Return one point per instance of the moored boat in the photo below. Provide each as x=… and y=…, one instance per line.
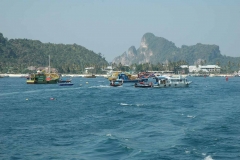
x=128, y=78
x=173, y=81
x=90, y=76
x=43, y=78
x=143, y=85
x=113, y=75
x=64, y=80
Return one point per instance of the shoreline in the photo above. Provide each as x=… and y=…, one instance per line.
x=105, y=75
x=63, y=75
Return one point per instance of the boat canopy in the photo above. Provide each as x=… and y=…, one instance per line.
x=123, y=76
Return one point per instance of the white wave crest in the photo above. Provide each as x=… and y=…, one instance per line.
x=109, y=135
x=208, y=158
x=125, y=104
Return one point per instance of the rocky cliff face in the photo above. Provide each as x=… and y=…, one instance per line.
x=127, y=57
x=154, y=50
x=142, y=55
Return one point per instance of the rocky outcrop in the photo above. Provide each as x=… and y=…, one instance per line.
x=154, y=50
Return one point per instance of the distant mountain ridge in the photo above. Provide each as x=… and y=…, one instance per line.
x=159, y=50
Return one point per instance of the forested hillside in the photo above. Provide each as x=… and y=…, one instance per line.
x=18, y=54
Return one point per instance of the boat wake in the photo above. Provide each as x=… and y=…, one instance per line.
x=37, y=91
x=125, y=104
x=100, y=86
x=7, y=94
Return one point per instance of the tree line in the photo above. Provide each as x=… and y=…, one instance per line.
x=230, y=67
x=17, y=55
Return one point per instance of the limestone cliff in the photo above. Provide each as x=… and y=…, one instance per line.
x=155, y=50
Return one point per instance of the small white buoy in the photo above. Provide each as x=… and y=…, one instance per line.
x=87, y=82
x=51, y=98
x=26, y=99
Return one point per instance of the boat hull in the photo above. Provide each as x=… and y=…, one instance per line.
x=49, y=78
x=65, y=84
x=173, y=85
x=42, y=82
x=64, y=81
x=116, y=84
x=90, y=76
x=132, y=81
x=143, y=86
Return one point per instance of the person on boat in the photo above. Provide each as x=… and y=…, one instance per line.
x=151, y=84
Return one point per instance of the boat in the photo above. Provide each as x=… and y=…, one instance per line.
x=116, y=84
x=128, y=78
x=64, y=80
x=113, y=75
x=171, y=81
x=4, y=76
x=65, y=84
x=143, y=85
x=90, y=76
x=24, y=76
x=146, y=75
x=41, y=77
x=237, y=74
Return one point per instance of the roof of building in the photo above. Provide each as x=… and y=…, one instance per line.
x=206, y=66
x=184, y=66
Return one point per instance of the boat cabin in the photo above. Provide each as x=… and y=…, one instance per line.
x=176, y=81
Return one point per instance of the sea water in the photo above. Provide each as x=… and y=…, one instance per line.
x=91, y=120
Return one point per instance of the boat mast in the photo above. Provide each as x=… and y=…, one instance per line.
x=49, y=65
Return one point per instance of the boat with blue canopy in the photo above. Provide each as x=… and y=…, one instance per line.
x=127, y=78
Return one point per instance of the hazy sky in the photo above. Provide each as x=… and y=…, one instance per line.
x=110, y=27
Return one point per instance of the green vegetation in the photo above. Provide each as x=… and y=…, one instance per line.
x=16, y=55
x=170, y=66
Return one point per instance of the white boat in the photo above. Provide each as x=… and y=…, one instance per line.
x=237, y=74
x=173, y=81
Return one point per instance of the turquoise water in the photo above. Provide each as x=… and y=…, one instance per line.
x=91, y=120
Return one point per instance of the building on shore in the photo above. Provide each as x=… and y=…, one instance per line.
x=205, y=68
